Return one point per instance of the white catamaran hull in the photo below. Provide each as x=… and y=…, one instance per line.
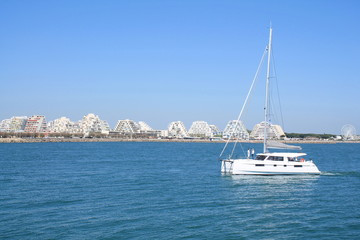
x=258, y=167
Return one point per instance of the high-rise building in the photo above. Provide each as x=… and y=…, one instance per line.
x=5, y=125
x=18, y=123
x=200, y=129
x=127, y=126
x=14, y=124
x=236, y=130
x=214, y=129
x=36, y=124
x=177, y=130
x=92, y=123
x=273, y=131
x=144, y=127
x=63, y=125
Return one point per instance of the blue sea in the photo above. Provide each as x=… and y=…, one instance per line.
x=146, y=190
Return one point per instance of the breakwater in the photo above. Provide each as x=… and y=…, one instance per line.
x=39, y=140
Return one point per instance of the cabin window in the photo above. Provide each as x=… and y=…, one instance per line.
x=297, y=165
x=260, y=157
x=275, y=158
x=259, y=165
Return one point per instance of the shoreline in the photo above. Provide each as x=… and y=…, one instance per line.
x=57, y=140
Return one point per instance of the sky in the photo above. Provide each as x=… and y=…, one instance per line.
x=187, y=60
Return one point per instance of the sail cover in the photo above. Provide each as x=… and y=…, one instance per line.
x=280, y=145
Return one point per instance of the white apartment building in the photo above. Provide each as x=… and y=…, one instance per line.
x=64, y=125
x=144, y=127
x=5, y=125
x=18, y=123
x=127, y=126
x=214, y=129
x=273, y=131
x=36, y=124
x=14, y=124
x=200, y=129
x=236, y=130
x=177, y=130
x=92, y=123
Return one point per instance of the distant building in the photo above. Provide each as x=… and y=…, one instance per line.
x=18, y=123
x=92, y=123
x=177, y=130
x=36, y=124
x=200, y=129
x=127, y=126
x=5, y=125
x=64, y=125
x=164, y=133
x=273, y=131
x=214, y=129
x=14, y=124
x=236, y=129
x=144, y=127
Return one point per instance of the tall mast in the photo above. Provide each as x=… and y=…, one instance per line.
x=267, y=104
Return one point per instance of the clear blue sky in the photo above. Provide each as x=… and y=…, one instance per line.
x=162, y=61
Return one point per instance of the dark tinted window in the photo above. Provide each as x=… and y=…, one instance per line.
x=260, y=157
x=274, y=158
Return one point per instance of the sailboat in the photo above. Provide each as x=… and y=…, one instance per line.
x=268, y=163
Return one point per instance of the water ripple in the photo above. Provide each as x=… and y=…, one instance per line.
x=170, y=191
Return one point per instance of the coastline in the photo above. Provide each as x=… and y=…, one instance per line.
x=50, y=140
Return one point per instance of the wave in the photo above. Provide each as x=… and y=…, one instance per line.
x=334, y=174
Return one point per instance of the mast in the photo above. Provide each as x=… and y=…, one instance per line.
x=267, y=97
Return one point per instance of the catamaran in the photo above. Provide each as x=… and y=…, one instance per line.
x=268, y=163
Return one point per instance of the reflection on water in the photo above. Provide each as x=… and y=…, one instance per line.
x=271, y=180
x=278, y=187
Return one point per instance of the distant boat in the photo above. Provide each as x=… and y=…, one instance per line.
x=269, y=163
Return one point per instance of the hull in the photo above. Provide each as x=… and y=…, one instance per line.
x=258, y=167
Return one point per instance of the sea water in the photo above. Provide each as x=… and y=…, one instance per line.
x=130, y=190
